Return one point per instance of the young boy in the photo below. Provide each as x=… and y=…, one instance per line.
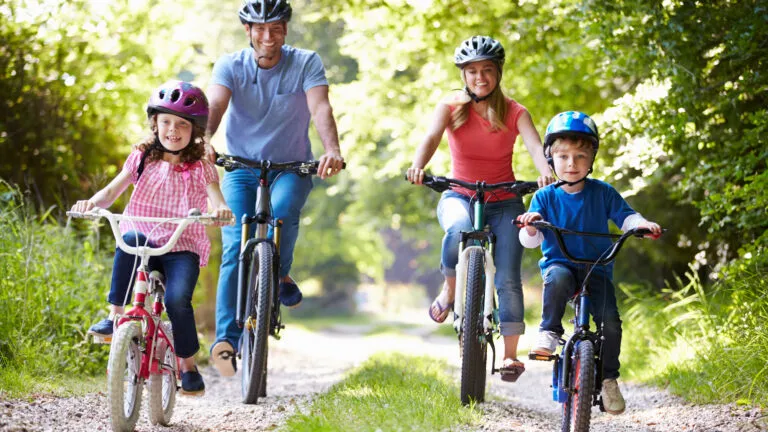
x=580, y=204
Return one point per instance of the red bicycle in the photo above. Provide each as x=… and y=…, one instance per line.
x=142, y=346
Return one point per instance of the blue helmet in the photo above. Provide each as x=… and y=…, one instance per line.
x=571, y=124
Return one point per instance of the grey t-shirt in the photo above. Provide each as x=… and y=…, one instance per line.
x=268, y=116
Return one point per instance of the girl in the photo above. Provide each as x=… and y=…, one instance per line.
x=482, y=125
x=170, y=176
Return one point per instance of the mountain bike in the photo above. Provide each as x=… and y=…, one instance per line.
x=476, y=316
x=577, y=373
x=258, y=305
x=142, y=347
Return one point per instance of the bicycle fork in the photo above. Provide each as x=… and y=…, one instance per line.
x=461, y=287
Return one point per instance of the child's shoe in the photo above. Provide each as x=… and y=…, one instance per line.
x=102, y=330
x=546, y=343
x=192, y=383
x=613, y=401
x=290, y=294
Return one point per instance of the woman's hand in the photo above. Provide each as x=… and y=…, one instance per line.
x=415, y=175
x=83, y=206
x=545, y=180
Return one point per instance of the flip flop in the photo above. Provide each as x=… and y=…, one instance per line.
x=511, y=370
x=442, y=311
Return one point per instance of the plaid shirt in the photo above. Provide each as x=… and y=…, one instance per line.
x=167, y=190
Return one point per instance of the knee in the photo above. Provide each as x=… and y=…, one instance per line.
x=558, y=280
x=132, y=237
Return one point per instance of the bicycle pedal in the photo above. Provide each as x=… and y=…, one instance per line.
x=102, y=339
x=541, y=357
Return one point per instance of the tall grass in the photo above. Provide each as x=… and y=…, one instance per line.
x=51, y=289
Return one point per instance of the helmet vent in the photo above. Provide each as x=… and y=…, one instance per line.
x=175, y=95
x=189, y=101
x=162, y=94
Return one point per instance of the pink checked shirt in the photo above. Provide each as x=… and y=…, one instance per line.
x=166, y=190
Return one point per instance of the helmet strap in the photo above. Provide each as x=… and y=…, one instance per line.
x=561, y=182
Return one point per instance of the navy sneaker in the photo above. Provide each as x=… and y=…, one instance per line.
x=290, y=294
x=192, y=383
x=102, y=328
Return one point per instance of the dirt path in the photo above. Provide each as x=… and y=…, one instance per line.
x=305, y=363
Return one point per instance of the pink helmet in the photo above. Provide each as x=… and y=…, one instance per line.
x=182, y=99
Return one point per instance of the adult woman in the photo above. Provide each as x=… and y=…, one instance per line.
x=482, y=125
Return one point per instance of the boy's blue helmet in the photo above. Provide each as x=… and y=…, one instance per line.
x=571, y=124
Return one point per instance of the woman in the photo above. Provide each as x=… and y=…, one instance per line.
x=482, y=125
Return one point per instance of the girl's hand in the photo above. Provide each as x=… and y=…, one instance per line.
x=415, y=175
x=83, y=206
x=222, y=212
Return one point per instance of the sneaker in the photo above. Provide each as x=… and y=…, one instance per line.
x=290, y=294
x=103, y=328
x=223, y=358
x=546, y=343
x=613, y=401
x=192, y=383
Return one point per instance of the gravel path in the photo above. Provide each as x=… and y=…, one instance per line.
x=304, y=363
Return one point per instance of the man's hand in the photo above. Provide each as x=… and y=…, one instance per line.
x=330, y=165
x=210, y=153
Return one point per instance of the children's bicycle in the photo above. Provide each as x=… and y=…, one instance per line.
x=142, y=347
x=577, y=374
x=258, y=305
x=475, y=307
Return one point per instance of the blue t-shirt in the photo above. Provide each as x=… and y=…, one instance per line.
x=587, y=210
x=268, y=116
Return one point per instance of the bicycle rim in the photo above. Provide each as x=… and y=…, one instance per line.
x=124, y=384
x=258, y=306
x=473, y=347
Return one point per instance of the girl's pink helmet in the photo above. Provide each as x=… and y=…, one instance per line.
x=182, y=99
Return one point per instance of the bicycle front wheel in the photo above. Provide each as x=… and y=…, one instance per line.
x=124, y=383
x=162, y=388
x=577, y=409
x=473, y=346
x=258, y=307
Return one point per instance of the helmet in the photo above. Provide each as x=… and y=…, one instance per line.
x=182, y=99
x=265, y=11
x=479, y=48
x=571, y=123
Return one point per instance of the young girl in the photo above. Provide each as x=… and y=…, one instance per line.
x=170, y=177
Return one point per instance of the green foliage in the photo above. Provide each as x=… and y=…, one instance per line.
x=416, y=388
x=52, y=288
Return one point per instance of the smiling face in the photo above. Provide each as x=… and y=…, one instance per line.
x=267, y=39
x=572, y=159
x=175, y=132
x=481, y=77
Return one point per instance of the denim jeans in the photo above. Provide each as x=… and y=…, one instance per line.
x=560, y=284
x=455, y=216
x=181, y=270
x=289, y=194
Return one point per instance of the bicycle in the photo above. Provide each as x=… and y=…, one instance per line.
x=577, y=373
x=142, y=348
x=258, y=305
x=475, y=309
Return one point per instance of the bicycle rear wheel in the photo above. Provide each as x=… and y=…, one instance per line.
x=124, y=384
x=162, y=387
x=473, y=346
x=258, y=306
x=577, y=409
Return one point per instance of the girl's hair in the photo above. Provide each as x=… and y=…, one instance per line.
x=497, y=111
x=191, y=153
x=580, y=143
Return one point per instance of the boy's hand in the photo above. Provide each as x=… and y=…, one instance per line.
x=83, y=206
x=653, y=227
x=527, y=218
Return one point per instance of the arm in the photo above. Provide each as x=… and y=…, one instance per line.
x=429, y=144
x=530, y=237
x=105, y=197
x=218, y=102
x=532, y=142
x=219, y=207
x=322, y=115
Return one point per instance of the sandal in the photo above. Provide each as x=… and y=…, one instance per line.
x=511, y=369
x=223, y=358
x=439, y=312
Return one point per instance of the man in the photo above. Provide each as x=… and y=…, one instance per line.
x=272, y=91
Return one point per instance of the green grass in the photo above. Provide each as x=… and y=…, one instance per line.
x=389, y=392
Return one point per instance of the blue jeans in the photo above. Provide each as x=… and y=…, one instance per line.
x=453, y=213
x=289, y=194
x=181, y=270
x=560, y=284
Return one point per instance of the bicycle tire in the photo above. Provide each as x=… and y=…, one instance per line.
x=577, y=408
x=124, y=385
x=162, y=388
x=258, y=306
x=473, y=346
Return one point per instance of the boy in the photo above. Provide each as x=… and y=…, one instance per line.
x=581, y=204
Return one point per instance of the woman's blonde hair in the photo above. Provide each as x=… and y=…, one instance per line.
x=191, y=153
x=496, y=113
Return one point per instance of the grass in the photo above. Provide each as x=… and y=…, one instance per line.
x=389, y=392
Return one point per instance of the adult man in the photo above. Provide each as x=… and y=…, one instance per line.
x=272, y=90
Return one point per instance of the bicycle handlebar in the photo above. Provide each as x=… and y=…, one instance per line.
x=231, y=163
x=602, y=260
x=440, y=184
x=194, y=216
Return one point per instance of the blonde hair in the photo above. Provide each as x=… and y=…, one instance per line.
x=496, y=112
x=191, y=153
x=578, y=142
